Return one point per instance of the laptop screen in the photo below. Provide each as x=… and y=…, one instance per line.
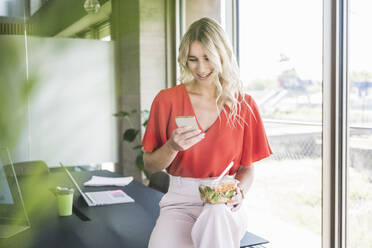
x=5, y=195
x=12, y=209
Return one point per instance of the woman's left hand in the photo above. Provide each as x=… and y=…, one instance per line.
x=236, y=201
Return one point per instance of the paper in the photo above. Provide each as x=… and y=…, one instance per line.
x=108, y=181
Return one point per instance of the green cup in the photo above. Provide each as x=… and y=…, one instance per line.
x=65, y=198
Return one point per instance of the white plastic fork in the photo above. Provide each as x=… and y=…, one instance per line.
x=218, y=179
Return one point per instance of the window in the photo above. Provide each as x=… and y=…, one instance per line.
x=280, y=52
x=101, y=31
x=360, y=126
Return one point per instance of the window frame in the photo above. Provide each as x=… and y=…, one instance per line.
x=335, y=125
x=95, y=31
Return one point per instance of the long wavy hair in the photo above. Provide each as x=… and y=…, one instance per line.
x=220, y=54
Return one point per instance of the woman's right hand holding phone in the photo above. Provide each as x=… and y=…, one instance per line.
x=185, y=137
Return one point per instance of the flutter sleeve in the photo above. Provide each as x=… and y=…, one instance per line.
x=255, y=143
x=156, y=130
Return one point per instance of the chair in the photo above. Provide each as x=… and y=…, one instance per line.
x=159, y=181
x=31, y=168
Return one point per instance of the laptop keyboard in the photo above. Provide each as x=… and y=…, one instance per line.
x=101, y=198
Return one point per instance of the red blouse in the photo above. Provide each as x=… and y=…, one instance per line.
x=222, y=144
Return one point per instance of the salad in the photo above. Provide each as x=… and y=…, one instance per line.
x=221, y=193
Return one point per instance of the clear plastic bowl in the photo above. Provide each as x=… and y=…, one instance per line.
x=222, y=192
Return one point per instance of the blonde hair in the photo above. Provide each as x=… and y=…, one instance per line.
x=220, y=54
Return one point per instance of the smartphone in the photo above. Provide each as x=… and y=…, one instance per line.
x=183, y=121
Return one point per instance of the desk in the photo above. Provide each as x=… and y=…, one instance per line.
x=124, y=225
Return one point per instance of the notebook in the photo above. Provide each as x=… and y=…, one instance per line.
x=13, y=216
x=100, y=198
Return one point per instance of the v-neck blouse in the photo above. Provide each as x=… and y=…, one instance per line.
x=188, y=98
x=222, y=144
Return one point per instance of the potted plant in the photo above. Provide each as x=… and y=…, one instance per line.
x=133, y=135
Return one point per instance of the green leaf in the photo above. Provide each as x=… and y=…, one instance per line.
x=137, y=147
x=208, y=189
x=133, y=111
x=130, y=135
x=215, y=198
x=139, y=162
x=122, y=114
x=230, y=193
x=201, y=190
x=145, y=123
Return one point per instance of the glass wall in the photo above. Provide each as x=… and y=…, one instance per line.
x=76, y=86
x=66, y=82
x=14, y=86
x=359, y=219
x=280, y=51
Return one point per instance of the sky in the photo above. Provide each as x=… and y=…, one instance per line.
x=293, y=28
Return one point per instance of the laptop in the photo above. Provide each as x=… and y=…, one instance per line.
x=100, y=198
x=13, y=216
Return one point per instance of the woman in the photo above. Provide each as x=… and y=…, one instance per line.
x=230, y=129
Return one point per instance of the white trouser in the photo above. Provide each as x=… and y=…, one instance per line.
x=185, y=221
